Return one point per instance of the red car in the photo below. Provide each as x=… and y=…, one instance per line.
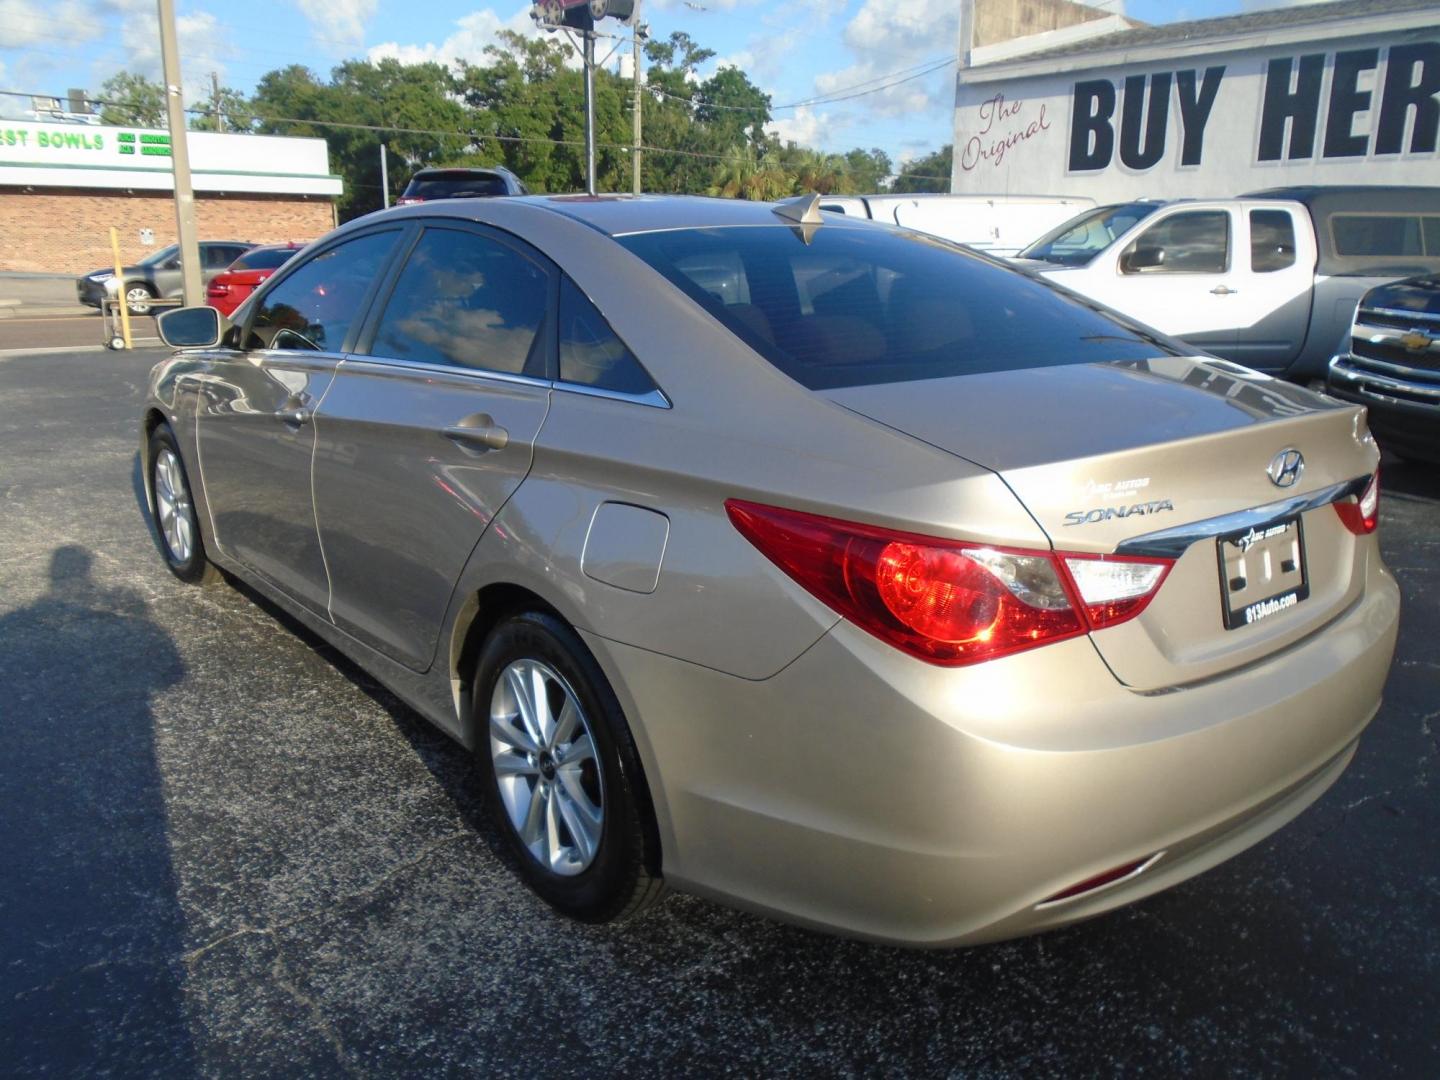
x=229, y=290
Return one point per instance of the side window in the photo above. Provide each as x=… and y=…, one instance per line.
x=1193, y=242
x=590, y=353
x=1377, y=234
x=315, y=307
x=469, y=301
x=1272, y=240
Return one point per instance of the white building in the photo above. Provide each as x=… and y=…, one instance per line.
x=1346, y=92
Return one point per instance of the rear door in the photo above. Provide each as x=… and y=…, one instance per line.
x=1272, y=304
x=429, y=428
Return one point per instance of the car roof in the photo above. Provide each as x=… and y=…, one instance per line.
x=618, y=215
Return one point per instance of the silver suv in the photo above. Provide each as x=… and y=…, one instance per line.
x=158, y=274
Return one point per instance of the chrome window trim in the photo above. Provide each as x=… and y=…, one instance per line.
x=1423, y=316
x=655, y=399
x=1173, y=542
x=370, y=360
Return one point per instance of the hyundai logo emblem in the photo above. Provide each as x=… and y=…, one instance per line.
x=1285, y=467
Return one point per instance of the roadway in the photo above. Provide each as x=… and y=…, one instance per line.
x=227, y=851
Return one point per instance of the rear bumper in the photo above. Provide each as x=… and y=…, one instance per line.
x=864, y=792
x=1404, y=412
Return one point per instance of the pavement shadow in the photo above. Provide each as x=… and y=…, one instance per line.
x=1415, y=479
x=90, y=979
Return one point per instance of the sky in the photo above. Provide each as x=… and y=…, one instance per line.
x=890, y=59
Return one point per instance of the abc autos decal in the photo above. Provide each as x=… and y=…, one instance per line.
x=1368, y=114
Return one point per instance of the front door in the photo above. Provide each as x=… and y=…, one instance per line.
x=1179, y=276
x=428, y=429
x=256, y=416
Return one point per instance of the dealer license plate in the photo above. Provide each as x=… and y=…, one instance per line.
x=1262, y=572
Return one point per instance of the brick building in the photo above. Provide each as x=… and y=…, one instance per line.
x=63, y=185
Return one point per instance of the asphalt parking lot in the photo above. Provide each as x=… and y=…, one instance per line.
x=226, y=851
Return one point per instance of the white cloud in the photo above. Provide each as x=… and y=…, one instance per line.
x=338, y=20
x=889, y=37
x=205, y=45
x=803, y=125
x=472, y=34
x=25, y=22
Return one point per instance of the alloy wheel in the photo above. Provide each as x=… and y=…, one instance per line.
x=546, y=767
x=172, y=506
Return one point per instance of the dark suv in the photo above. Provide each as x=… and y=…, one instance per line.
x=158, y=274
x=430, y=184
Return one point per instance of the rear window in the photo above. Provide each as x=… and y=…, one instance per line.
x=455, y=187
x=855, y=307
x=263, y=259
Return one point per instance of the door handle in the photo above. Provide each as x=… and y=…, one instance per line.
x=480, y=433
x=1223, y=290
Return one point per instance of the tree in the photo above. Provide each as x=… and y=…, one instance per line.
x=131, y=100
x=427, y=126
x=930, y=173
x=733, y=107
x=237, y=113
x=868, y=170
x=743, y=174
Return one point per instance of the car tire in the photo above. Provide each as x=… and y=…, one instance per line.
x=138, y=297
x=172, y=511
x=563, y=783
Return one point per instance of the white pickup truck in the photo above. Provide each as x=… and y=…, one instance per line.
x=997, y=224
x=1269, y=280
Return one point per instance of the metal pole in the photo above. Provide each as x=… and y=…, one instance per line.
x=180, y=158
x=385, y=176
x=215, y=98
x=590, y=112
x=120, y=288
x=635, y=108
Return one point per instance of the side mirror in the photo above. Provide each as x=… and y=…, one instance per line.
x=172, y=263
x=190, y=327
x=1143, y=258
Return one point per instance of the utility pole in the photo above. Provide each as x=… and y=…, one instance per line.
x=180, y=158
x=384, y=176
x=635, y=107
x=215, y=98
x=589, y=36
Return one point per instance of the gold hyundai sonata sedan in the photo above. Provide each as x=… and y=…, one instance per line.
x=822, y=568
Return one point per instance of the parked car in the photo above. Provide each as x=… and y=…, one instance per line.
x=228, y=290
x=998, y=224
x=913, y=598
x=1392, y=366
x=1269, y=280
x=157, y=275
x=430, y=184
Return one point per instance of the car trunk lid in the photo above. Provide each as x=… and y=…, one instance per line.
x=1106, y=456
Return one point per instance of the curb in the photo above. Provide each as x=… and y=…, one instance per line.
x=14, y=309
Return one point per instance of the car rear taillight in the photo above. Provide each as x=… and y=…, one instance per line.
x=1361, y=517
x=947, y=601
x=405, y=200
x=1114, y=590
